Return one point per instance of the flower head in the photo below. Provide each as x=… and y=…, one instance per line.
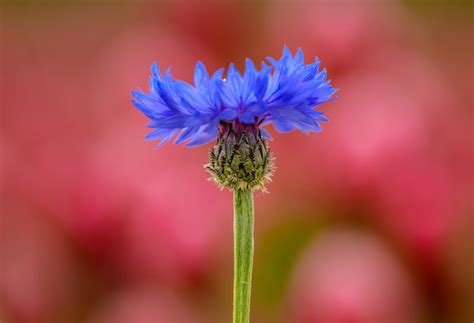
x=284, y=92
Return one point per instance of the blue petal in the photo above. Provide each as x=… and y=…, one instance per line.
x=155, y=71
x=265, y=134
x=158, y=134
x=190, y=98
x=234, y=79
x=246, y=118
x=286, y=52
x=282, y=126
x=249, y=82
x=166, y=139
x=228, y=114
x=201, y=77
x=206, y=134
x=299, y=58
x=186, y=134
x=215, y=87
x=261, y=82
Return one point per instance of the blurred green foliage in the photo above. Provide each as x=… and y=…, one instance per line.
x=276, y=254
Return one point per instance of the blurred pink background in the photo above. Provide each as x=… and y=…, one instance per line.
x=370, y=221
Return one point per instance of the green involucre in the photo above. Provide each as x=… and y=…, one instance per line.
x=241, y=158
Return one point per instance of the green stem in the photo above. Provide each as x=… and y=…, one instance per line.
x=243, y=254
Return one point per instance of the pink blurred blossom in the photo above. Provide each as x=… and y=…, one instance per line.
x=103, y=183
x=167, y=229
x=217, y=24
x=39, y=281
x=144, y=305
x=346, y=276
x=339, y=33
x=164, y=233
x=388, y=144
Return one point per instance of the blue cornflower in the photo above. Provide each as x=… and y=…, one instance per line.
x=234, y=110
x=284, y=92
